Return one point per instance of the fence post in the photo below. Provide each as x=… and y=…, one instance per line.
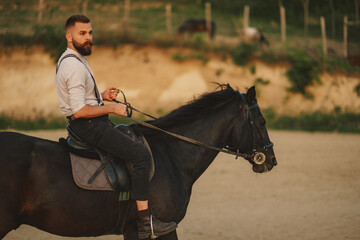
x=246, y=17
x=84, y=7
x=208, y=18
x=126, y=16
x=168, y=18
x=345, y=37
x=323, y=34
x=283, y=24
x=40, y=9
x=306, y=15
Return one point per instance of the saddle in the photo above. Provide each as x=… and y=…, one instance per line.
x=117, y=172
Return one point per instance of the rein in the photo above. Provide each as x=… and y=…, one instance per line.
x=186, y=139
x=257, y=157
x=193, y=141
x=128, y=106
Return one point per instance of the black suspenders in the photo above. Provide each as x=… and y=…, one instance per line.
x=97, y=93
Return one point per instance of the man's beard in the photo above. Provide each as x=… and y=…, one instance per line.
x=83, y=49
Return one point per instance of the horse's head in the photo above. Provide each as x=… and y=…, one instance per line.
x=251, y=136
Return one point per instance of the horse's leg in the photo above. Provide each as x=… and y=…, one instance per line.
x=7, y=222
x=169, y=236
x=132, y=234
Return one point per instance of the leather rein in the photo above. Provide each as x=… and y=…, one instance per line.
x=130, y=109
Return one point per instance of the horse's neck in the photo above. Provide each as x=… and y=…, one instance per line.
x=192, y=160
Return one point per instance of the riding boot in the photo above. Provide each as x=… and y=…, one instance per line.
x=151, y=227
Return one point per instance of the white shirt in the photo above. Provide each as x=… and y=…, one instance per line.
x=74, y=84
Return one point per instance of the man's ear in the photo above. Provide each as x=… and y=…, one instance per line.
x=68, y=37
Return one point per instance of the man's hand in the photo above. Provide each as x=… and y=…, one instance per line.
x=110, y=94
x=119, y=109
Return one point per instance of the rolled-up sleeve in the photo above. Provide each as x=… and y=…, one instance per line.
x=75, y=80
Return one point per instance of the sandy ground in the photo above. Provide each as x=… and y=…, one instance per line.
x=313, y=194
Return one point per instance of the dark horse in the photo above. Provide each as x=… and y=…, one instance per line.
x=37, y=188
x=196, y=25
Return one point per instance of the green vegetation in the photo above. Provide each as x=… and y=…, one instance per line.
x=357, y=89
x=242, y=53
x=147, y=26
x=317, y=121
x=304, y=69
x=31, y=124
x=182, y=57
x=261, y=81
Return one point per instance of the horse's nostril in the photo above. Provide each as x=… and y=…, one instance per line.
x=274, y=161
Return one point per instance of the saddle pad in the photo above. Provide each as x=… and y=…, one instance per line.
x=83, y=169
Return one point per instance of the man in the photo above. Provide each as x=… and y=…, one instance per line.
x=81, y=102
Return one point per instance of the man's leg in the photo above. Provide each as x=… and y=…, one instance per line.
x=101, y=133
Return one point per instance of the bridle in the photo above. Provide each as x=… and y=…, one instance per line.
x=257, y=157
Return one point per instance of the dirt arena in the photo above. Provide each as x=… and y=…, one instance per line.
x=313, y=194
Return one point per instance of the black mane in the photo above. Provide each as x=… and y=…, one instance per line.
x=205, y=104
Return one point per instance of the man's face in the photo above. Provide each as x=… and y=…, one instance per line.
x=80, y=37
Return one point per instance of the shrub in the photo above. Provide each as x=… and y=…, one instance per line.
x=357, y=89
x=304, y=70
x=242, y=53
x=52, y=38
x=182, y=57
x=261, y=81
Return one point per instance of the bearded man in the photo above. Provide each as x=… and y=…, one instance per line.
x=81, y=102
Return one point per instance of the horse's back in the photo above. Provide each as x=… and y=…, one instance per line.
x=27, y=166
x=19, y=152
x=15, y=149
x=36, y=177
x=15, y=162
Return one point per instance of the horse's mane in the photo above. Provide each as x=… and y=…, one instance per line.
x=201, y=107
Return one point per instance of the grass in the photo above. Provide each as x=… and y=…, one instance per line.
x=30, y=124
x=311, y=122
x=183, y=57
x=317, y=121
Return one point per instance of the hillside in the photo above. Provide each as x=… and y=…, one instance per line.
x=156, y=83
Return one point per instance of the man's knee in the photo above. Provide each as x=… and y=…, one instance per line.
x=142, y=156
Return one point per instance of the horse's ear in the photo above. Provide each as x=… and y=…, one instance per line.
x=251, y=96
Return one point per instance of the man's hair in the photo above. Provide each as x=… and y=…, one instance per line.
x=76, y=18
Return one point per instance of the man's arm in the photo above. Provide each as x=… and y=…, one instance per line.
x=89, y=111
